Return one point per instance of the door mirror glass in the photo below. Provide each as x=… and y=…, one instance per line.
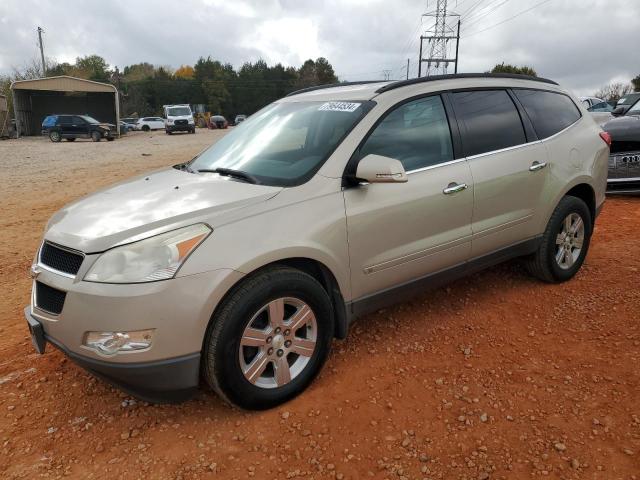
x=378, y=169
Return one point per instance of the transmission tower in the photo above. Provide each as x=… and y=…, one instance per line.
x=438, y=39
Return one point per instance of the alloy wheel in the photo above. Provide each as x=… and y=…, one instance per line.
x=278, y=342
x=569, y=241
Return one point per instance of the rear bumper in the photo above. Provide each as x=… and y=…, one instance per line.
x=170, y=380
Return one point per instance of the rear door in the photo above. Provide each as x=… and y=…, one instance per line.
x=65, y=124
x=401, y=232
x=508, y=165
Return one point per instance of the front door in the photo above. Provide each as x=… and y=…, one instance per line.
x=401, y=232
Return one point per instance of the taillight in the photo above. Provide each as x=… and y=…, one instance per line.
x=606, y=137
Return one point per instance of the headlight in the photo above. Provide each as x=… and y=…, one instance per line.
x=170, y=122
x=148, y=260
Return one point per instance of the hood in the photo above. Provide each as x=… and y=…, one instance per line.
x=106, y=125
x=624, y=129
x=148, y=205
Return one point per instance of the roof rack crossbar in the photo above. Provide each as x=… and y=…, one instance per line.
x=433, y=78
x=331, y=85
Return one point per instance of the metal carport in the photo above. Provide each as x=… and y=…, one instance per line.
x=34, y=99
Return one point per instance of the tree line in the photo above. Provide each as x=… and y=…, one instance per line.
x=144, y=88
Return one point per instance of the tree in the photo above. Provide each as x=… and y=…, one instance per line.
x=506, y=68
x=636, y=84
x=92, y=67
x=139, y=71
x=614, y=91
x=185, y=71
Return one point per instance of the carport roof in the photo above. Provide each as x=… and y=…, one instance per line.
x=63, y=83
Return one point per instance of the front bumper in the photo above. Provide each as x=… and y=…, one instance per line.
x=624, y=172
x=180, y=128
x=171, y=380
x=178, y=311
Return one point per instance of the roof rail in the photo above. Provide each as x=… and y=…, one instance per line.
x=331, y=85
x=433, y=78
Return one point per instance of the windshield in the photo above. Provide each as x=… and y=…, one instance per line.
x=628, y=100
x=178, y=111
x=635, y=109
x=284, y=143
x=89, y=119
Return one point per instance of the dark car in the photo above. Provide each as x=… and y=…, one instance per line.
x=625, y=103
x=70, y=127
x=624, y=160
x=218, y=121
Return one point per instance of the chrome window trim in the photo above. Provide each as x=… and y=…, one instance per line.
x=53, y=270
x=430, y=167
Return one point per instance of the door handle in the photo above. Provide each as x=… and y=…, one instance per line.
x=535, y=166
x=454, y=187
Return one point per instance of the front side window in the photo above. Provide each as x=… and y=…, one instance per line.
x=635, y=109
x=601, y=107
x=550, y=112
x=490, y=121
x=284, y=143
x=89, y=119
x=416, y=133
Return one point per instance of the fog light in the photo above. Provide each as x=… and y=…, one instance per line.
x=110, y=343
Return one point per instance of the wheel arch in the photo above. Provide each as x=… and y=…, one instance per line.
x=587, y=194
x=316, y=269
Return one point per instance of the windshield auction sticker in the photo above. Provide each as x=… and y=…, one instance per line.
x=339, y=107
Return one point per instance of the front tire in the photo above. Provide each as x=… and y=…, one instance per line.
x=565, y=242
x=268, y=339
x=96, y=136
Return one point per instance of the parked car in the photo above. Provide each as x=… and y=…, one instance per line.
x=625, y=103
x=131, y=122
x=241, y=265
x=124, y=127
x=239, y=119
x=179, y=118
x=150, y=123
x=218, y=121
x=589, y=102
x=70, y=127
x=624, y=161
x=601, y=112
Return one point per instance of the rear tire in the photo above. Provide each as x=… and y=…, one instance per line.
x=96, y=136
x=565, y=242
x=55, y=137
x=281, y=319
x=145, y=128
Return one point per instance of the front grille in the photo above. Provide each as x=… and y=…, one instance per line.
x=181, y=122
x=49, y=298
x=624, y=165
x=60, y=259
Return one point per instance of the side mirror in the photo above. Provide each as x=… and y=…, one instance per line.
x=378, y=169
x=616, y=112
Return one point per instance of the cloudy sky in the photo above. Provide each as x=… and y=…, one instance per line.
x=582, y=44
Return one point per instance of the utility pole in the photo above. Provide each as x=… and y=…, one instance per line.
x=44, y=68
x=407, y=69
x=438, y=38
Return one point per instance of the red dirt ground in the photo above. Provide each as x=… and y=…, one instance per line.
x=496, y=376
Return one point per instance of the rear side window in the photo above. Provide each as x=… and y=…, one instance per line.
x=490, y=120
x=549, y=112
x=64, y=120
x=416, y=133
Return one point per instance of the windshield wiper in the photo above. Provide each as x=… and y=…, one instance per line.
x=184, y=167
x=229, y=172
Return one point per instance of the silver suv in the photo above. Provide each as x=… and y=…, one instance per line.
x=240, y=266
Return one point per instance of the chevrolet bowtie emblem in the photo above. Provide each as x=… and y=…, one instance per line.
x=34, y=271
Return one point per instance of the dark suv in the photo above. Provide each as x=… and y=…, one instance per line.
x=70, y=127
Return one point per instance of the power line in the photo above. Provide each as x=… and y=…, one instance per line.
x=508, y=19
